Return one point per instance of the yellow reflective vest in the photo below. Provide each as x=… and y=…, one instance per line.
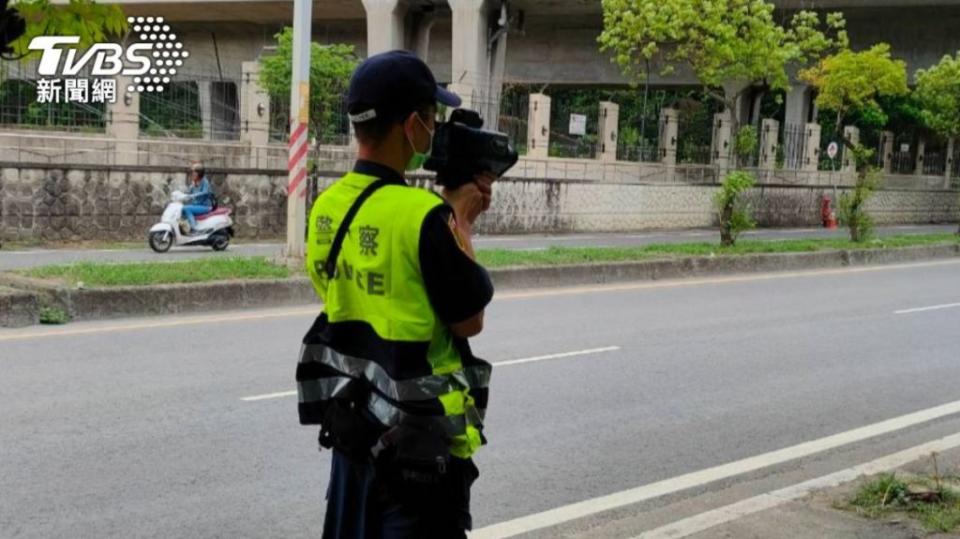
x=377, y=323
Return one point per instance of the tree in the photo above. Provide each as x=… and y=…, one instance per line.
x=92, y=22
x=330, y=69
x=733, y=45
x=851, y=83
x=938, y=93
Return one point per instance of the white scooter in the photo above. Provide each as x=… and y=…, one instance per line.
x=214, y=228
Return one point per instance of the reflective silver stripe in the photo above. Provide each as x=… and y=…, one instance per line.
x=423, y=388
x=390, y=415
x=478, y=375
x=322, y=389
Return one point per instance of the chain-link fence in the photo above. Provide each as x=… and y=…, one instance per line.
x=201, y=108
x=333, y=125
x=794, y=139
x=695, y=137
x=638, y=136
x=514, y=115
x=934, y=159
x=903, y=160
x=21, y=106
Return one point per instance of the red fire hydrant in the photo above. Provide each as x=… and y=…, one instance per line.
x=826, y=213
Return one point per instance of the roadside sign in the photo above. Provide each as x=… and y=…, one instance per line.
x=578, y=124
x=832, y=150
x=904, y=148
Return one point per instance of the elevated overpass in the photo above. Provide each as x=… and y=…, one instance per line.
x=545, y=42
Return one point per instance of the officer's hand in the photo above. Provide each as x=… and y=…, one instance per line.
x=467, y=202
x=484, y=182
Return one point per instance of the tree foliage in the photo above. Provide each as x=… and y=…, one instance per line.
x=724, y=43
x=92, y=22
x=938, y=94
x=330, y=70
x=853, y=82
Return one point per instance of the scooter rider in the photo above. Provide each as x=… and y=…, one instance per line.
x=199, y=196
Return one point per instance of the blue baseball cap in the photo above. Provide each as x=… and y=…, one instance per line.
x=393, y=84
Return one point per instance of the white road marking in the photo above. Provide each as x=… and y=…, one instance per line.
x=507, y=363
x=556, y=356
x=270, y=396
x=65, y=331
x=769, y=500
x=930, y=308
x=651, y=491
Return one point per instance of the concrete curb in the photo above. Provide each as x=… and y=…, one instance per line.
x=103, y=303
x=680, y=268
x=18, y=308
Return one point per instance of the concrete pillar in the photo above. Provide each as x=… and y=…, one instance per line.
x=921, y=149
x=205, y=98
x=811, y=158
x=124, y=123
x=478, y=56
x=254, y=107
x=769, y=141
x=722, y=143
x=385, y=28
x=886, y=145
x=852, y=134
x=538, y=126
x=948, y=163
x=797, y=106
x=669, y=129
x=609, y=122
x=418, y=32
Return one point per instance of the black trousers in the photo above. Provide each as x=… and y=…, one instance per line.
x=363, y=503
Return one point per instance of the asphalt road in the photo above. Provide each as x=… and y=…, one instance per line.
x=138, y=428
x=20, y=259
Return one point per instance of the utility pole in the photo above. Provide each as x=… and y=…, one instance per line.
x=299, y=143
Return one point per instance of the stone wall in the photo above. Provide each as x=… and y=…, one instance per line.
x=70, y=203
x=552, y=207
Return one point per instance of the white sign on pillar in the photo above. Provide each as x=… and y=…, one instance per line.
x=578, y=124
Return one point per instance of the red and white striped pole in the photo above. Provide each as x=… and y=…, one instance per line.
x=299, y=133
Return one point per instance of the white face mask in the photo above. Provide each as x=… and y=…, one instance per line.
x=418, y=158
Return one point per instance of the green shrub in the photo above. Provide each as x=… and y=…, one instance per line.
x=853, y=212
x=732, y=209
x=53, y=315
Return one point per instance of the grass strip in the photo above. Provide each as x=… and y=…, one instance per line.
x=104, y=274
x=493, y=258
x=100, y=274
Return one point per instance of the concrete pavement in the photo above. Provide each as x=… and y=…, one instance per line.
x=139, y=427
x=20, y=259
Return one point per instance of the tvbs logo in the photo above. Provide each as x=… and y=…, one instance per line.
x=151, y=61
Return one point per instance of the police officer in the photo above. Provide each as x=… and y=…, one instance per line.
x=386, y=369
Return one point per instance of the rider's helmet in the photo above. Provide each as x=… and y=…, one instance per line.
x=197, y=167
